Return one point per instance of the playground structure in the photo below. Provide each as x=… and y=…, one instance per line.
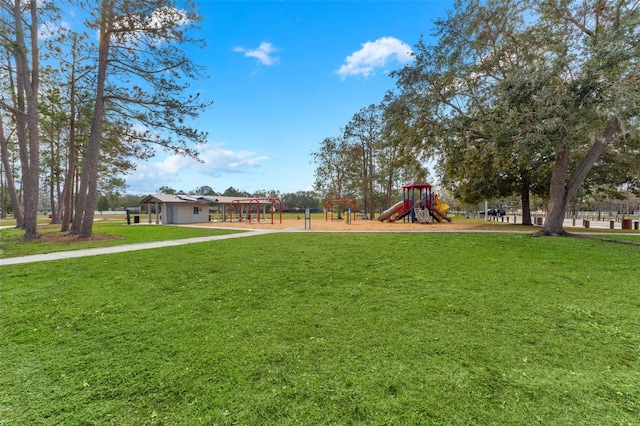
x=419, y=204
x=329, y=205
x=249, y=208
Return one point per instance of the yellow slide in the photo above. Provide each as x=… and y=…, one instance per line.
x=440, y=209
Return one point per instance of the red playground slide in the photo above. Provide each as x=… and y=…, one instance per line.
x=397, y=211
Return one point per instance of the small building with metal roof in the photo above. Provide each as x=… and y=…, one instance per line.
x=179, y=209
x=176, y=209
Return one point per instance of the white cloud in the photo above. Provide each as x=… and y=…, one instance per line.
x=173, y=165
x=149, y=175
x=51, y=29
x=136, y=28
x=216, y=161
x=264, y=53
x=167, y=17
x=375, y=54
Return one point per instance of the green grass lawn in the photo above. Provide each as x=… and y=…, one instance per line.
x=327, y=328
x=11, y=244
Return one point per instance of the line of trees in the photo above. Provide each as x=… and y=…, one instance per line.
x=368, y=160
x=76, y=108
x=291, y=201
x=514, y=97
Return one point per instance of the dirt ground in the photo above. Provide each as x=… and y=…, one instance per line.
x=358, y=225
x=298, y=225
x=65, y=238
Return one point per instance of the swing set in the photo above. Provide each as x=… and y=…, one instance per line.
x=329, y=205
x=265, y=202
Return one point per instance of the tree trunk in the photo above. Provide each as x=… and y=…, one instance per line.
x=27, y=117
x=365, y=178
x=52, y=183
x=3, y=204
x=11, y=184
x=85, y=209
x=526, y=200
x=69, y=180
x=389, y=189
x=554, y=221
x=66, y=205
x=372, y=198
x=562, y=191
x=15, y=197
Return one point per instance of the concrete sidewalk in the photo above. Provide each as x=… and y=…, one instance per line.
x=125, y=248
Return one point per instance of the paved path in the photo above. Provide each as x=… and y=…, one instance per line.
x=125, y=248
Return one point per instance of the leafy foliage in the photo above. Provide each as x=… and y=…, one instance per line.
x=370, y=159
x=524, y=93
x=143, y=78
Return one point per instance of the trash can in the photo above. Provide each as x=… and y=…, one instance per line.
x=636, y=225
x=136, y=219
x=612, y=224
x=585, y=223
x=627, y=223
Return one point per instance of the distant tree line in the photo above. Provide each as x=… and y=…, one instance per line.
x=368, y=160
x=294, y=201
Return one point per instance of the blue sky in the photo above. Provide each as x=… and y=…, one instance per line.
x=283, y=75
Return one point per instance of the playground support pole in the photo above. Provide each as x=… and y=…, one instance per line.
x=307, y=216
x=486, y=208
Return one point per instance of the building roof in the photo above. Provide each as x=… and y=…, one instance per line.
x=172, y=198
x=199, y=199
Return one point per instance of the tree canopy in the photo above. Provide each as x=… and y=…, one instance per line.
x=525, y=92
x=111, y=98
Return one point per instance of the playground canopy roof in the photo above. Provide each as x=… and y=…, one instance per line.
x=417, y=185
